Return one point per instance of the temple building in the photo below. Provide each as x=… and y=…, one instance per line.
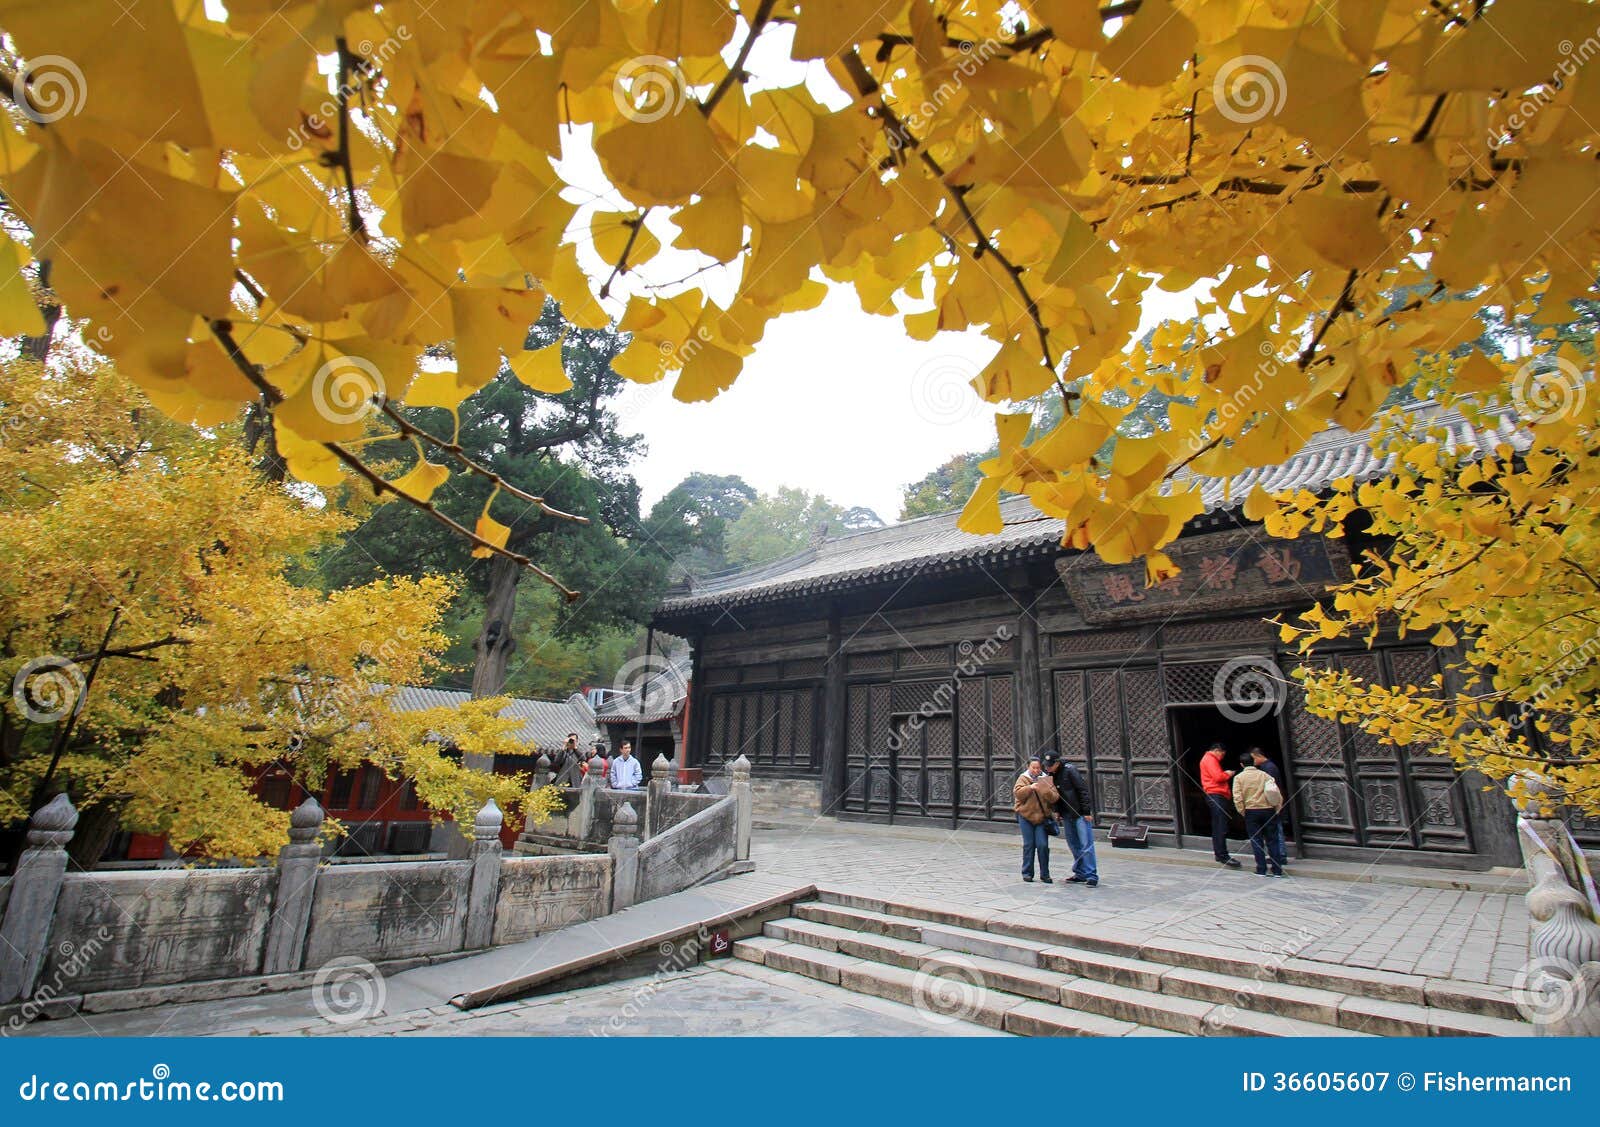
x=903, y=674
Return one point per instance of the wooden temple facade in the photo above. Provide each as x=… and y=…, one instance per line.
x=907, y=672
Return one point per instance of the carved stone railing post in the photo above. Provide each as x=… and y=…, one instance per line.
x=298, y=863
x=483, y=888
x=541, y=771
x=623, y=846
x=744, y=808
x=1559, y=990
x=35, y=885
x=660, y=787
x=582, y=816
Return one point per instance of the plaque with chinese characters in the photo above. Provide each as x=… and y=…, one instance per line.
x=1221, y=571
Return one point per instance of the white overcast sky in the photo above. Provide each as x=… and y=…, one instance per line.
x=834, y=400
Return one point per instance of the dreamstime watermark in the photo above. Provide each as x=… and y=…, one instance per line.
x=973, y=659
x=72, y=959
x=647, y=679
x=348, y=989
x=1548, y=388
x=49, y=88
x=48, y=688
x=949, y=991
x=1248, y=88
x=1239, y=403
x=1248, y=689
x=1530, y=103
x=347, y=389
x=1266, y=966
x=1574, y=660
x=321, y=123
x=648, y=88
x=158, y=1087
x=1548, y=990
x=973, y=56
x=677, y=956
x=941, y=390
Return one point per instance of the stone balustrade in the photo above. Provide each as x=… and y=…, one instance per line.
x=69, y=934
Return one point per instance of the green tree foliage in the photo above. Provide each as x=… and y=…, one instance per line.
x=689, y=526
x=777, y=524
x=568, y=448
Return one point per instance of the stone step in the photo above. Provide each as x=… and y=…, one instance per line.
x=1125, y=960
x=837, y=994
x=861, y=944
x=939, y=997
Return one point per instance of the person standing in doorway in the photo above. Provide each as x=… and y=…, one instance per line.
x=1077, y=825
x=1275, y=842
x=1214, y=781
x=1257, y=796
x=626, y=774
x=1034, y=799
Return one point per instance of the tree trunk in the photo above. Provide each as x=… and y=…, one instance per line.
x=497, y=641
x=96, y=827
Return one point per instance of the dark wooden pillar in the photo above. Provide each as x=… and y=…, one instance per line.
x=1028, y=677
x=833, y=762
x=694, y=740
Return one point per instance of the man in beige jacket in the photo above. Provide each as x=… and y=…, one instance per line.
x=1034, y=799
x=1258, y=798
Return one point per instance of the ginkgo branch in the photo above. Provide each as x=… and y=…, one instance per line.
x=901, y=137
x=223, y=331
x=454, y=449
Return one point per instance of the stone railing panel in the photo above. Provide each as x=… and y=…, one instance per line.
x=667, y=810
x=540, y=894
x=689, y=852
x=153, y=928
x=388, y=911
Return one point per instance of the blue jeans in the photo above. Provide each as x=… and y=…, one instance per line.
x=1264, y=839
x=1080, y=837
x=1034, y=840
x=1221, y=812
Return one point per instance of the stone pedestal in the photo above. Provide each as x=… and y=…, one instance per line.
x=744, y=802
x=484, y=889
x=25, y=935
x=623, y=846
x=298, y=863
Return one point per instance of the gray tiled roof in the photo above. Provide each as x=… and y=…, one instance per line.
x=545, y=723
x=931, y=544
x=659, y=696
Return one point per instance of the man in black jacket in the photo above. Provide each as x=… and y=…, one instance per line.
x=1077, y=823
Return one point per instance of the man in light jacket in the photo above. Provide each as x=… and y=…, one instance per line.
x=1258, y=797
x=1034, y=799
x=626, y=774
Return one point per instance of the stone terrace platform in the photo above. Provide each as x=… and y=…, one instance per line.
x=1468, y=926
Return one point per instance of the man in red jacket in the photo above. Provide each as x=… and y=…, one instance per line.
x=1219, y=797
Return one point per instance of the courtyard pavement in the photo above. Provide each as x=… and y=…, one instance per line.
x=1361, y=916
x=1353, y=915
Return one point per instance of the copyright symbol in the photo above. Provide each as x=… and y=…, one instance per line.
x=1407, y=1081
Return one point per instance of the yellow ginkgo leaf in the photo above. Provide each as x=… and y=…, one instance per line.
x=1012, y=374
x=541, y=369
x=437, y=389
x=491, y=530
x=423, y=478
x=1152, y=46
x=665, y=161
x=18, y=313
x=707, y=374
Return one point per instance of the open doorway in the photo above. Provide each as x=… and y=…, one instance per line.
x=1197, y=727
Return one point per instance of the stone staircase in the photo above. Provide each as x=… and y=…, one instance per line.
x=1037, y=980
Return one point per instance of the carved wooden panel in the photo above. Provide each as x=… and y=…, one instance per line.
x=855, y=758
x=1146, y=716
x=1217, y=632
x=878, y=753
x=803, y=667
x=871, y=663
x=924, y=656
x=1096, y=642
x=1105, y=716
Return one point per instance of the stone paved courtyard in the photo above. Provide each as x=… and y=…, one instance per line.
x=1480, y=936
x=1334, y=913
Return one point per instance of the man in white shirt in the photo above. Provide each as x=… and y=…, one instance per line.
x=626, y=774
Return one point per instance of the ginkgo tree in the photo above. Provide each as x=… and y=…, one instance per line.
x=289, y=202
x=158, y=656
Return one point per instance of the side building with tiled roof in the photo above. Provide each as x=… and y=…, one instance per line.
x=903, y=674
